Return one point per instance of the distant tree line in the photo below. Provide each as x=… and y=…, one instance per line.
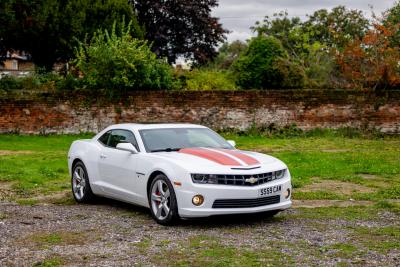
x=121, y=45
x=340, y=48
x=50, y=30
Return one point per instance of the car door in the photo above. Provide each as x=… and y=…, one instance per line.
x=117, y=168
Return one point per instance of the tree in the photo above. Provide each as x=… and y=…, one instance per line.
x=181, y=28
x=49, y=30
x=117, y=62
x=281, y=27
x=312, y=44
x=372, y=62
x=228, y=54
x=392, y=17
x=265, y=65
x=332, y=28
x=337, y=27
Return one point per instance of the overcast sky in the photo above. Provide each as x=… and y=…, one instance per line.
x=239, y=15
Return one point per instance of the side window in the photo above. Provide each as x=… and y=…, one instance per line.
x=122, y=136
x=104, y=138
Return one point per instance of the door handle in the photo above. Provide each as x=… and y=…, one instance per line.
x=102, y=156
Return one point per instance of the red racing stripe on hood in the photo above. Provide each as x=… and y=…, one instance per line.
x=243, y=157
x=211, y=155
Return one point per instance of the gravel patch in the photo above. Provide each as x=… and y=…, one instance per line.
x=115, y=234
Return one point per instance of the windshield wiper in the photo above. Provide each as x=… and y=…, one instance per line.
x=166, y=150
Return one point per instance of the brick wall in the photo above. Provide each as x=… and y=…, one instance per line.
x=44, y=113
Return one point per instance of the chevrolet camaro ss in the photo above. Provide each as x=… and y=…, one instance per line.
x=178, y=171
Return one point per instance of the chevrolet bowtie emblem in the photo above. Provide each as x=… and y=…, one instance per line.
x=252, y=180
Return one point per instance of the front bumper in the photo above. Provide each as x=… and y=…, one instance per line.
x=213, y=192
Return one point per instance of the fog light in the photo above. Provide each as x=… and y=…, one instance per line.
x=287, y=193
x=198, y=200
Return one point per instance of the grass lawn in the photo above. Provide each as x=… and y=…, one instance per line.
x=327, y=168
x=324, y=167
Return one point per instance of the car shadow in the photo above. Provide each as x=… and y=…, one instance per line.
x=206, y=222
x=230, y=220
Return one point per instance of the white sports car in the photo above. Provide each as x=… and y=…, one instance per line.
x=178, y=171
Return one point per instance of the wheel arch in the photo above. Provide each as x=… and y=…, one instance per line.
x=75, y=161
x=152, y=176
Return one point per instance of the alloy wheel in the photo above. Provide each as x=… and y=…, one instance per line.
x=160, y=199
x=79, y=182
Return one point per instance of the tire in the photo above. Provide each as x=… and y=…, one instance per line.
x=80, y=184
x=162, y=202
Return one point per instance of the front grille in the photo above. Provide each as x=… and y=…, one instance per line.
x=245, y=203
x=241, y=179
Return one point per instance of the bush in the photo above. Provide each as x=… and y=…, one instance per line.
x=118, y=62
x=70, y=82
x=291, y=74
x=8, y=83
x=203, y=79
x=256, y=68
x=38, y=81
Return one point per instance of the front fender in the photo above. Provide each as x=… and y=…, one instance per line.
x=87, y=152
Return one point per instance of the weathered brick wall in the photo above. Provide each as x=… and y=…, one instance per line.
x=41, y=113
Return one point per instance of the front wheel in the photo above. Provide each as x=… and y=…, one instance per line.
x=162, y=201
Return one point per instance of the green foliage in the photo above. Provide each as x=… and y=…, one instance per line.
x=228, y=54
x=117, y=62
x=312, y=44
x=49, y=30
x=207, y=79
x=337, y=27
x=265, y=65
x=45, y=81
x=291, y=74
x=8, y=83
x=392, y=17
x=319, y=65
x=281, y=27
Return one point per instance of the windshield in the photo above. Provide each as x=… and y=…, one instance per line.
x=173, y=139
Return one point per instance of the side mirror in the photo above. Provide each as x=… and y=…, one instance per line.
x=127, y=147
x=232, y=143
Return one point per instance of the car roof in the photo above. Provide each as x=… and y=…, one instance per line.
x=144, y=126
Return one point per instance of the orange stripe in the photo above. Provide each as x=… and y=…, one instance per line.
x=243, y=157
x=211, y=155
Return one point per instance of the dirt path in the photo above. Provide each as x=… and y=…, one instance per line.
x=114, y=234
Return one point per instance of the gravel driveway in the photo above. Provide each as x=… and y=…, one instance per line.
x=115, y=234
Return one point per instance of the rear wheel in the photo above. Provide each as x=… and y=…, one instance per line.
x=162, y=201
x=80, y=184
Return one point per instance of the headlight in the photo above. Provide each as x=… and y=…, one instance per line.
x=279, y=174
x=204, y=179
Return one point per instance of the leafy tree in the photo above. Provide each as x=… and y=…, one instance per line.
x=372, y=62
x=333, y=28
x=392, y=18
x=337, y=27
x=260, y=66
x=49, y=30
x=281, y=27
x=117, y=62
x=229, y=53
x=312, y=44
x=181, y=28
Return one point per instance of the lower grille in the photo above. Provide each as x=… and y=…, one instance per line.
x=245, y=203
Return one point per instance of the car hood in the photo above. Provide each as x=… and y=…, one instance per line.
x=219, y=160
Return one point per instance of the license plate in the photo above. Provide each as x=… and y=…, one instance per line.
x=270, y=190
